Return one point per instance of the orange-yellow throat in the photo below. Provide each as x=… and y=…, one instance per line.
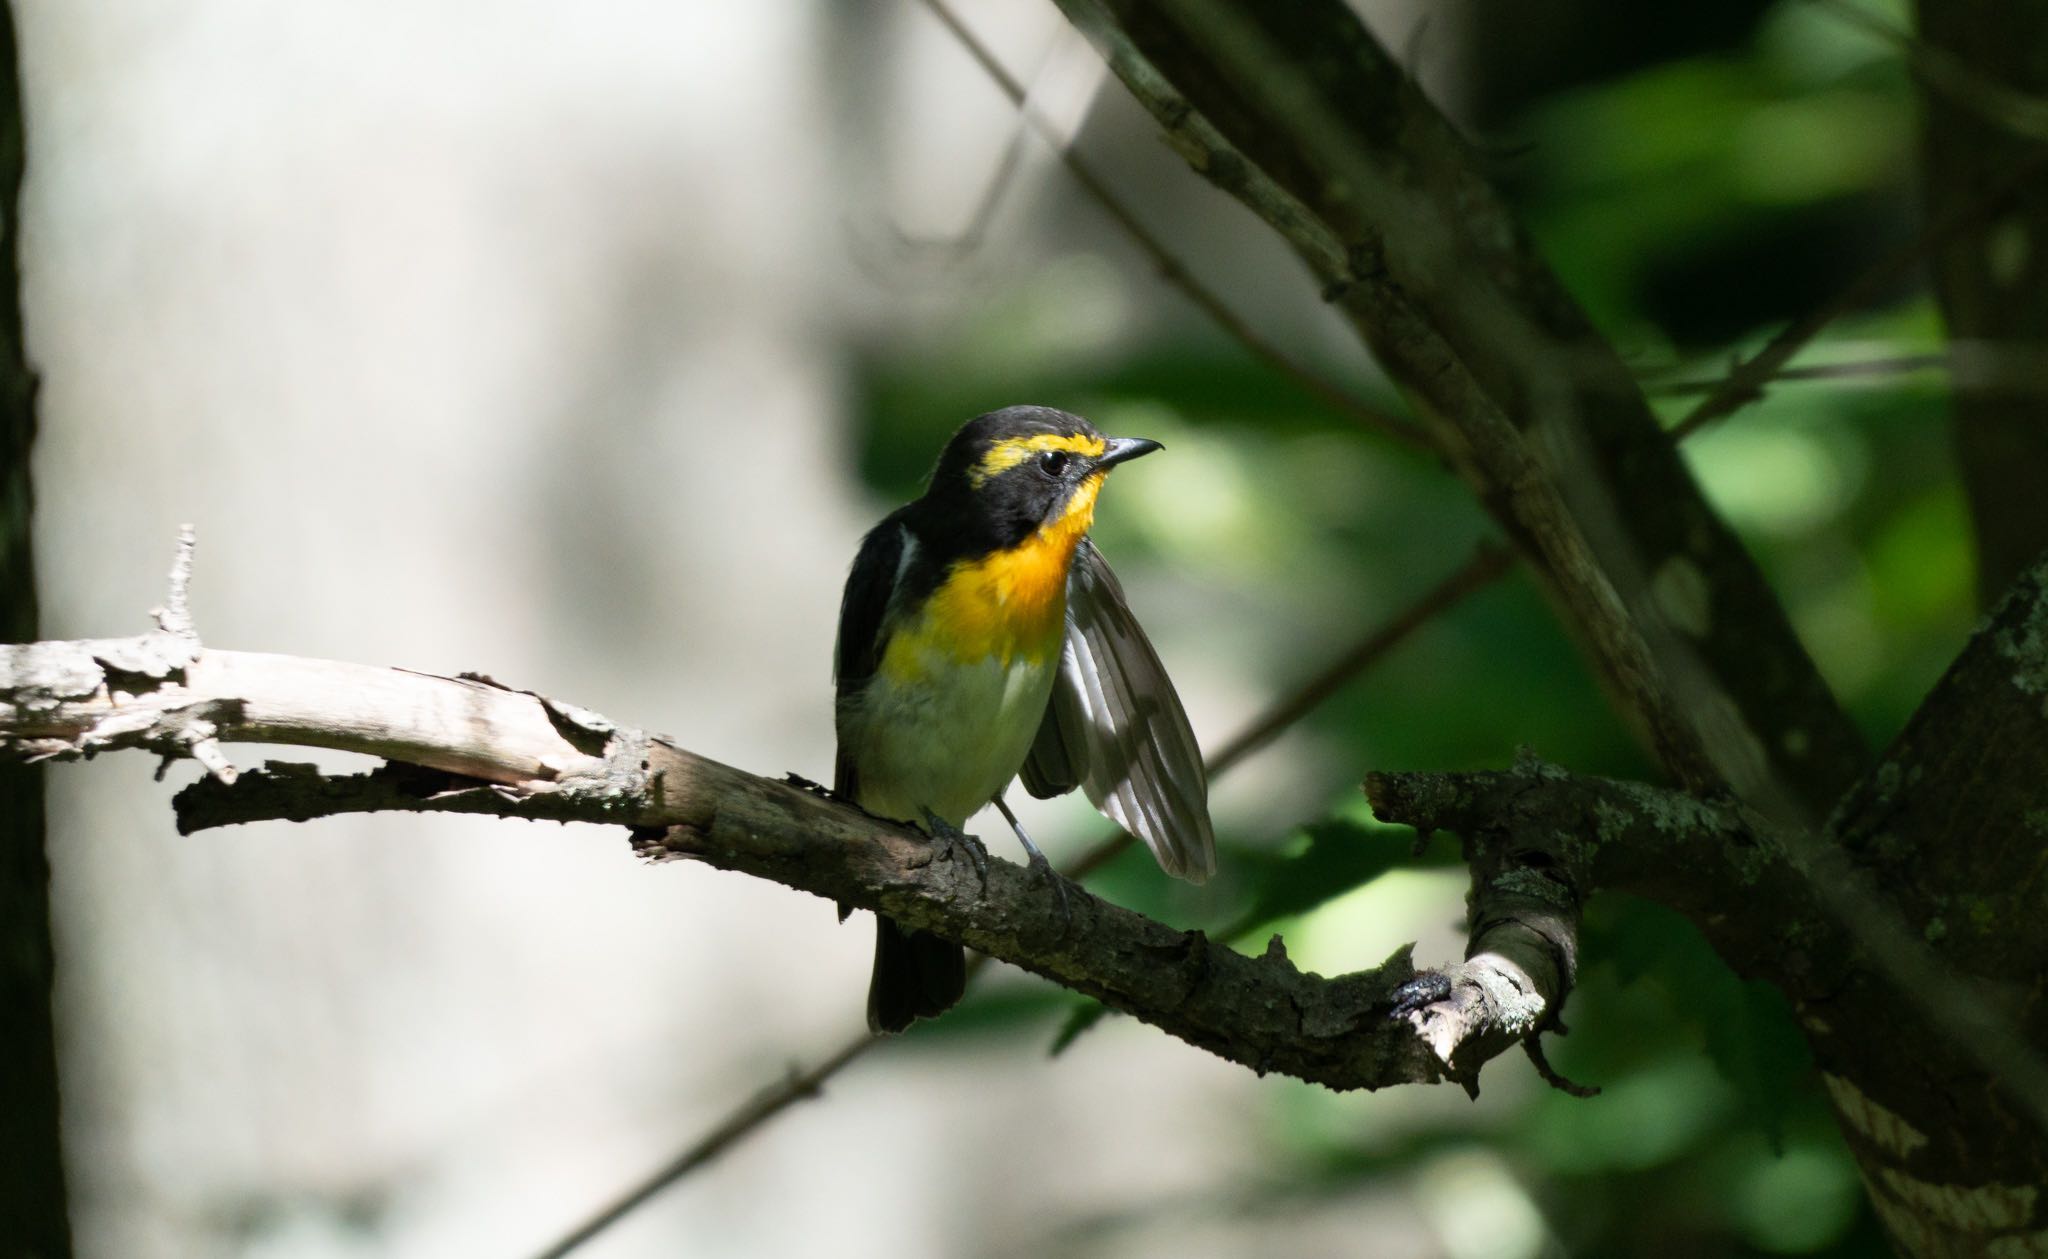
x=1005, y=605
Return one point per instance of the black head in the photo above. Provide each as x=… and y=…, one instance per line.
x=1011, y=472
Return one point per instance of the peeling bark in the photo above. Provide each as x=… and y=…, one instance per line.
x=1557, y=837
x=1522, y=952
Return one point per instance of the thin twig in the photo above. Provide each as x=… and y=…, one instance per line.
x=758, y=1110
x=1942, y=71
x=1972, y=366
x=1170, y=267
x=1486, y=566
x=175, y=617
x=1746, y=383
x=1550, y=1075
x=2021, y=113
x=1892, y=365
x=970, y=238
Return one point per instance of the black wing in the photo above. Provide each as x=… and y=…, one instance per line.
x=1115, y=728
x=863, y=609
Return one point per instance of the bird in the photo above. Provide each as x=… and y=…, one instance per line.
x=983, y=638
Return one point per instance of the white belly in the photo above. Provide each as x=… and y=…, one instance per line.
x=949, y=741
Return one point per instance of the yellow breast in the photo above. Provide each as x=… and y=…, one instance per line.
x=1008, y=604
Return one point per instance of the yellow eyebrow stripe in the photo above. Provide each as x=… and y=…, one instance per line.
x=1011, y=451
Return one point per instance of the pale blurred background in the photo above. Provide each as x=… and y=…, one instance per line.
x=509, y=337
x=577, y=345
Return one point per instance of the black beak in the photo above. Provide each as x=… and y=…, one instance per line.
x=1120, y=449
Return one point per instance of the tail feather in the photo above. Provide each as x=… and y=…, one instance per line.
x=917, y=975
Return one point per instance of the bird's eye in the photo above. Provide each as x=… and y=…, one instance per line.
x=1053, y=462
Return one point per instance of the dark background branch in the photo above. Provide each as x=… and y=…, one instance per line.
x=34, y=1218
x=1993, y=287
x=1695, y=856
x=1296, y=110
x=1914, y=970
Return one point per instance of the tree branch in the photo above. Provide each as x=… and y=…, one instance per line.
x=1990, y=285
x=1295, y=110
x=1522, y=953
x=471, y=745
x=1171, y=269
x=1906, y=937
x=1949, y=827
x=33, y=1197
x=1539, y=841
x=1956, y=228
x=1486, y=566
x=795, y=1086
x=1696, y=856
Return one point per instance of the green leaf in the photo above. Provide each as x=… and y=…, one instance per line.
x=1746, y=1028
x=1085, y=1014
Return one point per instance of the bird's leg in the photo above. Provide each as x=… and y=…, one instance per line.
x=1041, y=865
x=953, y=840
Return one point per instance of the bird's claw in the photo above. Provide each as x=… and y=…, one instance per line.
x=954, y=840
x=1044, y=870
x=1425, y=989
x=817, y=789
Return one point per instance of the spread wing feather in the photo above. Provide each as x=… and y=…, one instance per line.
x=1116, y=729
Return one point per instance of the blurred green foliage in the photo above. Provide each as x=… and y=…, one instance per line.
x=1695, y=196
